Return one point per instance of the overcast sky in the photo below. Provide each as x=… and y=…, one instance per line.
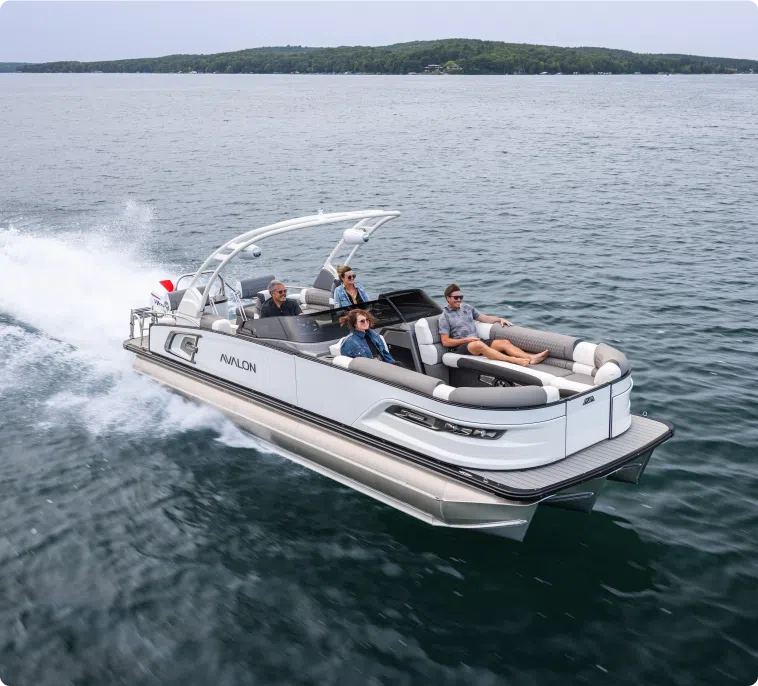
x=48, y=31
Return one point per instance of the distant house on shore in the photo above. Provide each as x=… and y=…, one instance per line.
x=447, y=68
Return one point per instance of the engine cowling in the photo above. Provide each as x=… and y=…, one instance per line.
x=159, y=296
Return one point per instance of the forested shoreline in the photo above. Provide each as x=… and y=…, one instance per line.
x=460, y=56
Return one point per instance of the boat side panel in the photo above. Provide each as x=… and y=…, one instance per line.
x=531, y=438
x=587, y=420
x=257, y=367
x=344, y=396
x=622, y=386
x=621, y=412
x=521, y=446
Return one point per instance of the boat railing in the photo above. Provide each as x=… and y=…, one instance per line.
x=148, y=315
x=141, y=315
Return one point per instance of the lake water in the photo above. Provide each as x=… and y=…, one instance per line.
x=146, y=540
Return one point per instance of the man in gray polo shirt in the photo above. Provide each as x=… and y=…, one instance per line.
x=458, y=331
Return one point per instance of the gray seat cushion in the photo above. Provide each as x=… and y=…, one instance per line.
x=581, y=378
x=316, y=296
x=524, y=396
x=394, y=374
x=249, y=287
x=325, y=281
x=484, y=366
x=549, y=369
x=605, y=353
x=533, y=341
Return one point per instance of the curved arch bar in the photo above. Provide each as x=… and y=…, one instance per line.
x=194, y=302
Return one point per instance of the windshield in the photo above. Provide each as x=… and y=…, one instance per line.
x=389, y=309
x=412, y=304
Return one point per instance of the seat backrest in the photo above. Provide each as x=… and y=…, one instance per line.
x=326, y=281
x=316, y=299
x=253, y=311
x=431, y=349
x=175, y=298
x=335, y=348
x=248, y=288
x=388, y=372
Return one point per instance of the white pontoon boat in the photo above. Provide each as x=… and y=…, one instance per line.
x=456, y=441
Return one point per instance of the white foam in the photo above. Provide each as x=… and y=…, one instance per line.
x=75, y=290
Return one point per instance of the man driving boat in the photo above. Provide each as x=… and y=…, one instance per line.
x=278, y=305
x=458, y=331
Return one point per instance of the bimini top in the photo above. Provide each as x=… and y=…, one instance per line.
x=362, y=225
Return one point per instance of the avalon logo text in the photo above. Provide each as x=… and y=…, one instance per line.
x=240, y=364
x=589, y=400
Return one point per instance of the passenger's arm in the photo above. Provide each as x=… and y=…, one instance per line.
x=453, y=342
x=489, y=319
x=341, y=298
x=348, y=347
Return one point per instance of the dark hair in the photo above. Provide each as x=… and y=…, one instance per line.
x=452, y=288
x=342, y=270
x=351, y=319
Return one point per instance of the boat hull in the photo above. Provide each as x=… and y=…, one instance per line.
x=424, y=492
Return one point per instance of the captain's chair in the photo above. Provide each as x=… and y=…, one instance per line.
x=320, y=296
x=255, y=289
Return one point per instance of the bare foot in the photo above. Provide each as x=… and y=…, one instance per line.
x=521, y=360
x=536, y=359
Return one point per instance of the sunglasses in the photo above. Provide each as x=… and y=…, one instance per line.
x=281, y=292
x=457, y=297
x=350, y=277
x=362, y=321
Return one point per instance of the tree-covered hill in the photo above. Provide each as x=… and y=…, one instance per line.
x=471, y=56
x=11, y=66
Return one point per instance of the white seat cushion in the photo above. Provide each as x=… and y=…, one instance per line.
x=544, y=378
x=334, y=348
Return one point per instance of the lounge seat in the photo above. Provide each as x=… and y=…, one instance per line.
x=319, y=297
x=573, y=365
x=478, y=397
x=316, y=300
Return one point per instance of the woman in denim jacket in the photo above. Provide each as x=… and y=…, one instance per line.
x=349, y=292
x=363, y=342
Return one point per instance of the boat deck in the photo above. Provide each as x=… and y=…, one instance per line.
x=644, y=434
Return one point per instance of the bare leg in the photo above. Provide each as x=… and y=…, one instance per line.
x=508, y=348
x=481, y=348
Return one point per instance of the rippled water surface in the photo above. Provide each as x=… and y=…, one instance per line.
x=146, y=540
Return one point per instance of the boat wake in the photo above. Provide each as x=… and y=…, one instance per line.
x=64, y=304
